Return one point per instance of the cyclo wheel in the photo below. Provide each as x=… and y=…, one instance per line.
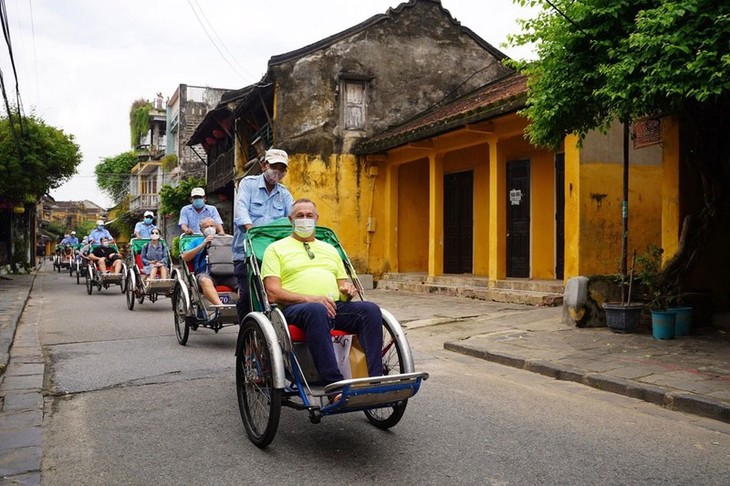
x=385, y=418
x=258, y=401
x=182, y=321
x=130, y=292
x=78, y=274
x=89, y=282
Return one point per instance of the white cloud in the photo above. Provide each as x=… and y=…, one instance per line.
x=94, y=58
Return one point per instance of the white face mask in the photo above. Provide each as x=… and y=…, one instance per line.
x=155, y=237
x=304, y=227
x=273, y=176
x=209, y=231
x=105, y=244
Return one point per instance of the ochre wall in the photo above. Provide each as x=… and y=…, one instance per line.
x=342, y=191
x=601, y=221
x=413, y=196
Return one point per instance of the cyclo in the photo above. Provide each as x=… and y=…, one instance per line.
x=274, y=367
x=95, y=278
x=78, y=264
x=137, y=286
x=62, y=257
x=190, y=306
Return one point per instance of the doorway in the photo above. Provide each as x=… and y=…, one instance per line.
x=518, y=219
x=458, y=222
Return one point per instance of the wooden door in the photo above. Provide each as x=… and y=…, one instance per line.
x=518, y=219
x=458, y=222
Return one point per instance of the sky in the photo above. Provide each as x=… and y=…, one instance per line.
x=81, y=63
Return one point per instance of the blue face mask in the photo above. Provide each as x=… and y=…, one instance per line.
x=148, y=220
x=198, y=203
x=101, y=227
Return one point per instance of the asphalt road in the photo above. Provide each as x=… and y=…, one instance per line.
x=128, y=405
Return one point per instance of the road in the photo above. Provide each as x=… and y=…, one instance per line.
x=125, y=404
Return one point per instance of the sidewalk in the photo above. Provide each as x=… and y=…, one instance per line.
x=21, y=383
x=689, y=374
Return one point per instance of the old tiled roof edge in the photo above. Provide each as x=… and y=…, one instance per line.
x=398, y=136
x=327, y=41
x=222, y=107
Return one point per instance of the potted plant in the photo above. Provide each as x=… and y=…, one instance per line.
x=661, y=294
x=625, y=316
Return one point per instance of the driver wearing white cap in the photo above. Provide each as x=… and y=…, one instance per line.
x=191, y=214
x=98, y=233
x=143, y=229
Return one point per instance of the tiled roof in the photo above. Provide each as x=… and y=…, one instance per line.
x=499, y=97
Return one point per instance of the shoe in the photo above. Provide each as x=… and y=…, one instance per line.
x=335, y=399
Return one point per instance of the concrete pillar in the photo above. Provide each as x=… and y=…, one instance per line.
x=497, y=211
x=436, y=215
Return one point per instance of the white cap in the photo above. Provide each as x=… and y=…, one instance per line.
x=198, y=191
x=149, y=213
x=277, y=156
x=73, y=232
x=101, y=221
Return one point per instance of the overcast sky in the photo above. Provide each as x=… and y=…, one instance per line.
x=81, y=63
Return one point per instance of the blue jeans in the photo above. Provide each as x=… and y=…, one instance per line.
x=243, y=306
x=361, y=318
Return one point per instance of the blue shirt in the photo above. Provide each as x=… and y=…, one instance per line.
x=151, y=252
x=191, y=217
x=143, y=229
x=256, y=206
x=96, y=235
x=199, y=263
x=71, y=240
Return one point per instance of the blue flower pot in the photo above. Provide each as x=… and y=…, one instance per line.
x=682, y=320
x=662, y=324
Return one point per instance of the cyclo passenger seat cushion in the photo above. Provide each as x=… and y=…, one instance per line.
x=298, y=336
x=138, y=261
x=220, y=257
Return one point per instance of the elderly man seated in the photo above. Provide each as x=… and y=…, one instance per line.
x=305, y=276
x=104, y=255
x=195, y=251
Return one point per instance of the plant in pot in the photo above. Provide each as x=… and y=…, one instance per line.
x=661, y=294
x=625, y=316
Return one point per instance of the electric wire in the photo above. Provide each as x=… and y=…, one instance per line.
x=215, y=44
x=6, y=34
x=223, y=44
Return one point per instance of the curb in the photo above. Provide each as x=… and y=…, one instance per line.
x=668, y=398
x=7, y=334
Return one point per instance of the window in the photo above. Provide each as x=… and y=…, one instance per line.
x=354, y=104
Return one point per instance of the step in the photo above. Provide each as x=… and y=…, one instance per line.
x=547, y=286
x=474, y=292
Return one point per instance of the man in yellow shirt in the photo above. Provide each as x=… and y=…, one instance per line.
x=305, y=276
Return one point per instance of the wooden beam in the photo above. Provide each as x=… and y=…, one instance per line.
x=421, y=144
x=482, y=127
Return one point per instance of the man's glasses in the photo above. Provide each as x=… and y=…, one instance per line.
x=309, y=251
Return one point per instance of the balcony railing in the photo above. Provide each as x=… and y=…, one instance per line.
x=144, y=202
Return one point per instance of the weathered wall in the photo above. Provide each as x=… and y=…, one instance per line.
x=413, y=59
x=599, y=201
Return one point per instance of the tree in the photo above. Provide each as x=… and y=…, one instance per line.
x=112, y=175
x=599, y=60
x=41, y=158
x=139, y=122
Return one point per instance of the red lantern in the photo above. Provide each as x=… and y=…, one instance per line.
x=219, y=134
x=210, y=140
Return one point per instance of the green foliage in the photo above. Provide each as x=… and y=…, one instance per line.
x=83, y=229
x=124, y=222
x=54, y=229
x=139, y=120
x=49, y=158
x=660, y=294
x=621, y=59
x=172, y=199
x=112, y=175
x=169, y=162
